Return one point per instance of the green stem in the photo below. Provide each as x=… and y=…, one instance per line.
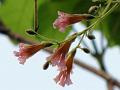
x=102, y=17
x=45, y=38
x=36, y=15
x=98, y=20
x=80, y=40
x=102, y=66
x=115, y=1
x=93, y=41
x=84, y=43
x=99, y=58
x=107, y=7
x=95, y=46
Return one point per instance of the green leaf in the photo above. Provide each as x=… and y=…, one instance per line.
x=48, y=13
x=2, y=1
x=112, y=31
x=18, y=16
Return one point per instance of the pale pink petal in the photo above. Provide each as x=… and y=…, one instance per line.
x=57, y=78
x=23, y=53
x=16, y=53
x=63, y=78
x=61, y=22
x=68, y=80
x=22, y=60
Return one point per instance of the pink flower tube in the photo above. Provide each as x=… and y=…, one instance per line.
x=64, y=75
x=65, y=19
x=27, y=51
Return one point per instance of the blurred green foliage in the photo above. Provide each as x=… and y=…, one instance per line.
x=111, y=28
x=2, y=1
x=19, y=15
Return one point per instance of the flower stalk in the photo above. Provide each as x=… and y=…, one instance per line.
x=36, y=15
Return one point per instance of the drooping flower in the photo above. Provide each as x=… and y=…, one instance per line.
x=65, y=19
x=27, y=51
x=58, y=58
x=64, y=75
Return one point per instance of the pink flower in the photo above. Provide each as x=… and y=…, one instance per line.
x=58, y=58
x=64, y=75
x=65, y=19
x=27, y=51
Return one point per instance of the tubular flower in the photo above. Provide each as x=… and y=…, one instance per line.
x=58, y=58
x=65, y=19
x=64, y=75
x=27, y=51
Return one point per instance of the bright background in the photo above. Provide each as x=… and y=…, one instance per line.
x=31, y=76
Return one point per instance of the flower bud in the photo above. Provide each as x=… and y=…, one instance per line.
x=46, y=65
x=86, y=50
x=91, y=37
x=92, y=9
x=30, y=32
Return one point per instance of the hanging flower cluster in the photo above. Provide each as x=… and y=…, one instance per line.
x=61, y=58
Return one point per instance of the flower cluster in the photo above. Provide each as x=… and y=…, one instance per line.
x=61, y=58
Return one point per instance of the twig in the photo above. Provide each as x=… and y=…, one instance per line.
x=100, y=73
x=101, y=38
x=13, y=36
x=36, y=16
x=83, y=42
x=95, y=46
x=110, y=85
